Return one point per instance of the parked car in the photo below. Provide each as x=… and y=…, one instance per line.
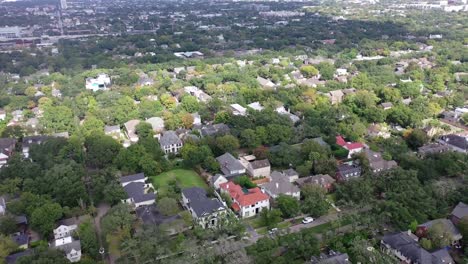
x=307, y=220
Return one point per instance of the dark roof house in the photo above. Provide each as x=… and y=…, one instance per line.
x=229, y=165
x=460, y=211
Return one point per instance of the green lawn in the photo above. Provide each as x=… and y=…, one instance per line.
x=186, y=178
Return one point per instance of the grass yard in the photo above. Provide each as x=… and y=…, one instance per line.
x=186, y=178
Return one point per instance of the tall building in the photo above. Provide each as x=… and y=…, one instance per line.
x=63, y=4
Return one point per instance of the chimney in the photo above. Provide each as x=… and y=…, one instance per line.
x=277, y=185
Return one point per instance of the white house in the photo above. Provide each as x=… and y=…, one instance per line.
x=237, y=109
x=246, y=203
x=170, y=142
x=64, y=231
x=71, y=248
x=100, y=83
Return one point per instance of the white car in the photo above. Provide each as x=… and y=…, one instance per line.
x=307, y=220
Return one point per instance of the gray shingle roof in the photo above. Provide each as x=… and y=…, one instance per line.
x=213, y=130
x=199, y=201
x=256, y=164
x=228, y=163
x=461, y=210
x=448, y=226
x=136, y=191
x=134, y=177
x=13, y=258
x=280, y=185
x=67, y=248
x=169, y=138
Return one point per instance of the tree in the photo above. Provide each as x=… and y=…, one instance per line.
x=245, y=182
x=7, y=246
x=194, y=155
x=289, y=206
x=270, y=218
x=417, y=139
x=43, y=218
x=315, y=202
x=101, y=150
x=463, y=227
x=190, y=104
x=248, y=138
x=327, y=70
x=58, y=119
x=88, y=239
x=118, y=221
x=44, y=256
x=309, y=71
x=7, y=225
x=439, y=235
x=227, y=143
x=168, y=206
x=92, y=125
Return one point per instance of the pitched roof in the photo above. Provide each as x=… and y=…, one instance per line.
x=199, y=201
x=320, y=179
x=257, y=164
x=376, y=162
x=68, y=247
x=134, y=177
x=461, y=210
x=136, y=191
x=216, y=129
x=13, y=258
x=228, y=163
x=408, y=247
x=456, y=141
x=169, y=138
x=156, y=123
x=243, y=196
x=348, y=145
x=448, y=226
x=280, y=185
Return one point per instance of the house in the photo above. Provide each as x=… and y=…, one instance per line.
x=455, y=142
x=139, y=192
x=460, y=211
x=230, y=166
x=199, y=94
x=404, y=246
x=265, y=83
x=32, y=140
x=259, y=168
x=448, y=226
x=156, y=123
x=170, y=142
x=113, y=131
x=130, y=128
x=341, y=72
x=335, y=97
x=145, y=80
x=100, y=83
x=432, y=148
x=71, y=248
x=204, y=210
x=347, y=172
x=237, y=109
x=323, y=180
x=196, y=119
x=21, y=239
x=64, y=231
x=7, y=146
x=352, y=147
x=216, y=180
x=378, y=130
x=377, y=163
x=214, y=130
x=282, y=111
x=246, y=203
x=256, y=106
x=290, y=175
x=281, y=185
x=56, y=93
x=17, y=115
x=386, y=106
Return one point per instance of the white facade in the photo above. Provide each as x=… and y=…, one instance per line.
x=253, y=210
x=238, y=110
x=101, y=82
x=64, y=231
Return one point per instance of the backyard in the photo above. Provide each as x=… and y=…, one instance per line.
x=185, y=179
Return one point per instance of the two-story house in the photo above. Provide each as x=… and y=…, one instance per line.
x=347, y=172
x=170, y=142
x=246, y=203
x=204, y=210
x=64, y=231
x=139, y=191
x=352, y=147
x=230, y=166
x=323, y=180
x=259, y=168
x=7, y=146
x=71, y=248
x=281, y=185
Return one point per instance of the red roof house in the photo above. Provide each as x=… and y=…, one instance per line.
x=352, y=147
x=246, y=202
